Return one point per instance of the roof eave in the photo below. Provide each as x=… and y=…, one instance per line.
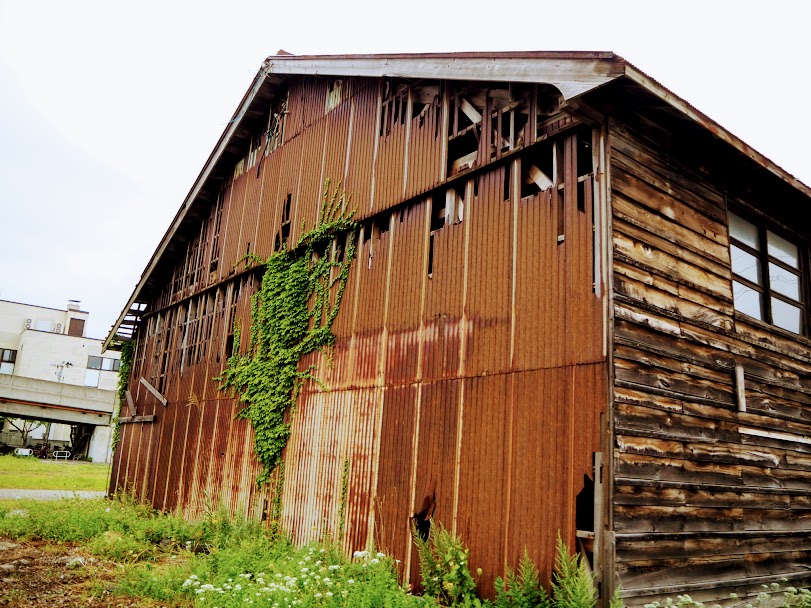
x=639, y=77
x=572, y=73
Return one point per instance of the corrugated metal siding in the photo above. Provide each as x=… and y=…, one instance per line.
x=471, y=382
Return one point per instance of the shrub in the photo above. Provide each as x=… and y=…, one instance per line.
x=444, y=567
x=572, y=583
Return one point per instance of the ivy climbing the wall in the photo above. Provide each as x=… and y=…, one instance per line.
x=291, y=316
x=127, y=355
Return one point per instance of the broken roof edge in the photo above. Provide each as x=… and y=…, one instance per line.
x=656, y=88
x=572, y=72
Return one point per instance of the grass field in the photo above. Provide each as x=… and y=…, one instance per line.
x=36, y=474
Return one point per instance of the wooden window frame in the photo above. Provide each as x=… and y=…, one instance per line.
x=764, y=258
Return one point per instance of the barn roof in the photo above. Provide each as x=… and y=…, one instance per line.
x=576, y=74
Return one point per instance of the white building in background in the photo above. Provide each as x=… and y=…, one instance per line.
x=50, y=371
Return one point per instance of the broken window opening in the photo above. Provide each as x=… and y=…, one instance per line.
x=231, y=319
x=548, y=101
x=394, y=106
x=509, y=118
x=584, y=520
x=559, y=188
x=334, y=94
x=424, y=96
x=274, y=136
x=365, y=239
x=338, y=251
x=383, y=224
x=455, y=204
x=464, y=128
x=283, y=235
x=537, y=169
x=585, y=167
x=437, y=223
x=215, y=239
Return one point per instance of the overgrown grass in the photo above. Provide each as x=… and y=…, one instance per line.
x=36, y=474
x=217, y=562
x=163, y=560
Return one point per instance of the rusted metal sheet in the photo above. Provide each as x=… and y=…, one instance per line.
x=468, y=336
x=331, y=457
x=407, y=284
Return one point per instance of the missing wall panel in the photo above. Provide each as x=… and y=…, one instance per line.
x=283, y=236
x=537, y=169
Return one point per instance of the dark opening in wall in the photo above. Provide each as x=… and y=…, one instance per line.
x=585, y=166
x=584, y=506
x=437, y=223
x=383, y=223
x=229, y=346
x=537, y=169
x=559, y=190
x=283, y=235
x=464, y=127
x=422, y=518
x=584, y=520
x=394, y=105
x=423, y=95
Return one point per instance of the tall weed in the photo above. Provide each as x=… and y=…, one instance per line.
x=444, y=567
x=521, y=589
x=572, y=583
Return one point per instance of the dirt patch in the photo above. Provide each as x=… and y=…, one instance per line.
x=36, y=574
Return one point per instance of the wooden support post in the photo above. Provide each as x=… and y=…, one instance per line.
x=130, y=403
x=155, y=392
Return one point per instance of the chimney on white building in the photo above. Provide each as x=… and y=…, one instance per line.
x=73, y=305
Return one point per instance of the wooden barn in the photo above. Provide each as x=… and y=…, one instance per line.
x=577, y=304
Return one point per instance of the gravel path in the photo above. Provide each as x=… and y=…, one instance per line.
x=47, y=494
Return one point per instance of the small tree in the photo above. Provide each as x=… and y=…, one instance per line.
x=25, y=427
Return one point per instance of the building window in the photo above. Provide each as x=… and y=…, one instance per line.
x=766, y=271
x=7, y=359
x=103, y=363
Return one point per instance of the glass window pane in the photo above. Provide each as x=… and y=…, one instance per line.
x=783, y=281
x=745, y=265
x=116, y=364
x=91, y=377
x=786, y=316
x=783, y=250
x=6, y=368
x=106, y=363
x=747, y=300
x=745, y=232
x=93, y=362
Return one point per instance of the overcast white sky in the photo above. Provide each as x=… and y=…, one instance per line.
x=108, y=110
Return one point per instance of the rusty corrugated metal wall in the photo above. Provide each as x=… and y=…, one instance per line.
x=470, y=364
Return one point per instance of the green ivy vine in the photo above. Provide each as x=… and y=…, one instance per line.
x=127, y=355
x=291, y=316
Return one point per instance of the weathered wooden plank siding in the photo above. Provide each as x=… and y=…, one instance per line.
x=701, y=504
